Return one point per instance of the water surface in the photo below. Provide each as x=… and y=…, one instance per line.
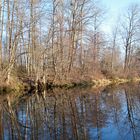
x=112, y=113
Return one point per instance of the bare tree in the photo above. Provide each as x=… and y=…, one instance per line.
x=130, y=27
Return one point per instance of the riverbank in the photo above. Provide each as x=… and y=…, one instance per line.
x=115, y=81
x=30, y=85
x=99, y=83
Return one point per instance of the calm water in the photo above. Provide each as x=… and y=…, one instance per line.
x=79, y=114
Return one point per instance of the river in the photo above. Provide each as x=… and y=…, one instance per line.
x=111, y=113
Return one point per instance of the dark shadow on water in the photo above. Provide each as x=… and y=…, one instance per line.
x=112, y=113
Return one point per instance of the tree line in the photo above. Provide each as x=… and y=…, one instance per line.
x=62, y=41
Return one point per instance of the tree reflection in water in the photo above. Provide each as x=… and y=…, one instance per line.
x=78, y=114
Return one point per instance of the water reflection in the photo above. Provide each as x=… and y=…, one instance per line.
x=78, y=114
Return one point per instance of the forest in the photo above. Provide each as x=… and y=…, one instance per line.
x=63, y=41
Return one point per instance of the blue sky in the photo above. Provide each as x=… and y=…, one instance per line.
x=114, y=9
